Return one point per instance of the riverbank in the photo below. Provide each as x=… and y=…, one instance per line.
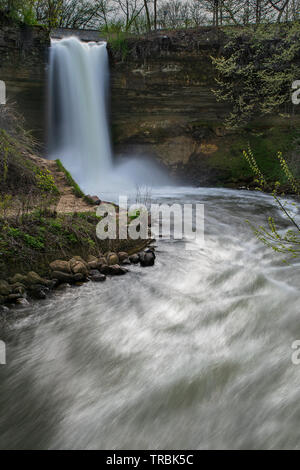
x=45, y=217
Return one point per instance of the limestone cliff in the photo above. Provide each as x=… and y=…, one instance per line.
x=163, y=105
x=23, y=61
x=161, y=102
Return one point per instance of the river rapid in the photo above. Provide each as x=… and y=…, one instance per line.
x=194, y=353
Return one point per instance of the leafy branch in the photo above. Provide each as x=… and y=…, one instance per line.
x=289, y=242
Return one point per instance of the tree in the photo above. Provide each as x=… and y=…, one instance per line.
x=256, y=72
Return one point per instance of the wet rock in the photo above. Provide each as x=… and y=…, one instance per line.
x=94, y=264
x=18, y=288
x=112, y=259
x=2, y=299
x=22, y=302
x=61, y=266
x=79, y=267
x=79, y=277
x=95, y=200
x=98, y=277
x=147, y=259
x=64, y=286
x=3, y=309
x=151, y=250
x=5, y=288
x=117, y=270
x=134, y=259
x=79, y=258
x=38, y=292
x=91, y=258
x=52, y=283
x=62, y=277
x=34, y=278
x=12, y=298
x=18, y=278
x=122, y=256
x=94, y=272
x=104, y=269
x=126, y=262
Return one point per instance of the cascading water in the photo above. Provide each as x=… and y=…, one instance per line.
x=78, y=125
x=78, y=122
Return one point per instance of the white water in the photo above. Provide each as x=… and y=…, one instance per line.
x=194, y=353
x=78, y=124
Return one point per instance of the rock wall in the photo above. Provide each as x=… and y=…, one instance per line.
x=23, y=59
x=162, y=104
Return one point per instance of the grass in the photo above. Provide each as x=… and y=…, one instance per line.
x=42, y=237
x=76, y=189
x=265, y=143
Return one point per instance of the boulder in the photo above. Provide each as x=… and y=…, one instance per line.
x=79, y=277
x=134, y=259
x=122, y=256
x=61, y=266
x=22, y=302
x=151, y=250
x=62, y=277
x=18, y=288
x=3, y=309
x=116, y=270
x=98, y=277
x=64, y=286
x=147, y=259
x=112, y=259
x=94, y=272
x=78, y=267
x=5, y=288
x=79, y=258
x=38, y=292
x=34, y=278
x=18, y=278
x=126, y=262
x=94, y=199
x=94, y=264
x=12, y=298
x=91, y=258
x=104, y=269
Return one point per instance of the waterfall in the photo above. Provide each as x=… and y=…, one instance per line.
x=78, y=124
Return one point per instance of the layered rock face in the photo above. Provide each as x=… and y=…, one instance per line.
x=23, y=61
x=162, y=102
x=163, y=105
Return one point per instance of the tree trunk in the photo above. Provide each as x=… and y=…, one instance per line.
x=147, y=15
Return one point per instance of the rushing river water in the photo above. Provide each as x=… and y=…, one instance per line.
x=192, y=353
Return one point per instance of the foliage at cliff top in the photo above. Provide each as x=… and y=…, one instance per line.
x=256, y=70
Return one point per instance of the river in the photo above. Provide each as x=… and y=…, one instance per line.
x=194, y=353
